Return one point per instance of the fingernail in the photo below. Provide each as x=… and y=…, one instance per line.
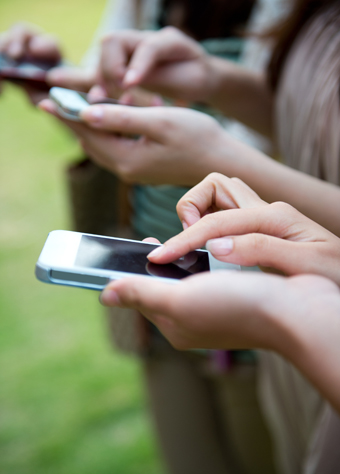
x=155, y=252
x=131, y=76
x=185, y=225
x=109, y=298
x=94, y=114
x=222, y=246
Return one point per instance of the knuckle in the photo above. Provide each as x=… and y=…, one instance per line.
x=209, y=221
x=260, y=243
x=215, y=177
x=170, y=30
x=108, y=38
x=281, y=207
x=149, y=47
x=182, y=205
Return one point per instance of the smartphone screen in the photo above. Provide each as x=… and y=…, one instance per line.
x=130, y=257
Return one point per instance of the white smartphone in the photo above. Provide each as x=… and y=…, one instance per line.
x=92, y=261
x=71, y=103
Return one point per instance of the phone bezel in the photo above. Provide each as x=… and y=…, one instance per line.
x=59, y=254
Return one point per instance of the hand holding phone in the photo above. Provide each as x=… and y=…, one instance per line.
x=71, y=103
x=92, y=261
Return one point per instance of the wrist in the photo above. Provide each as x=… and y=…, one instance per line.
x=212, y=81
x=277, y=310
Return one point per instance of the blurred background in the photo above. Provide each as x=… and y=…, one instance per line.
x=68, y=402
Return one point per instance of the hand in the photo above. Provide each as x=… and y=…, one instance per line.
x=248, y=231
x=297, y=317
x=28, y=41
x=176, y=145
x=25, y=40
x=208, y=310
x=221, y=310
x=167, y=62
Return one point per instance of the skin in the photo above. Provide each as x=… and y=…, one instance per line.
x=174, y=65
x=182, y=146
x=298, y=317
x=248, y=231
x=24, y=40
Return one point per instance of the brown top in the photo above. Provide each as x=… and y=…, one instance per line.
x=307, y=109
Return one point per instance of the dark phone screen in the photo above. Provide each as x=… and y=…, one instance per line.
x=24, y=70
x=130, y=257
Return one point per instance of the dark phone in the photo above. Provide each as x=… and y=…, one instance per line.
x=25, y=71
x=131, y=257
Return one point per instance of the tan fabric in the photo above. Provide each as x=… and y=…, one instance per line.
x=308, y=129
x=308, y=115
x=292, y=407
x=206, y=423
x=324, y=455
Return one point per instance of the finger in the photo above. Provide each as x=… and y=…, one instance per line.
x=35, y=95
x=150, y=121
x=264, y=219
x=214, y=193
x=110, y=152
x=158, y=48
x=116, y=50
x=17, y=38
x=143, y=294
x=70, y=78
x=50, y=107
x=96, y=93
x=249, y=250
x=151, y=240
x=44, y=47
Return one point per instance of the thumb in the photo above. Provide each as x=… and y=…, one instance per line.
x=260, y=249
x=70, y=78
x=143, y=294
x=126, y=119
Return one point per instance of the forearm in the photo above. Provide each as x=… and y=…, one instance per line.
x=274, y=181
x=241, y=94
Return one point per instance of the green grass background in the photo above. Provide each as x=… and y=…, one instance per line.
x=68, y=403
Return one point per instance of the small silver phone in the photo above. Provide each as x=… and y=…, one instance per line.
x=71, y=103
x=92, y=261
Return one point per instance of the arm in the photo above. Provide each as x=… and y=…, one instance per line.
x=181, y=146
x=241, y=94
x=297, y=317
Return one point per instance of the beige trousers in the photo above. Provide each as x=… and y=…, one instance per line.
x=306, y=431
x=206, y=423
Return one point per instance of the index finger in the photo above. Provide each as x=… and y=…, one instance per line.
x=216, y=192
x=220, y=224
x=116, y=49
